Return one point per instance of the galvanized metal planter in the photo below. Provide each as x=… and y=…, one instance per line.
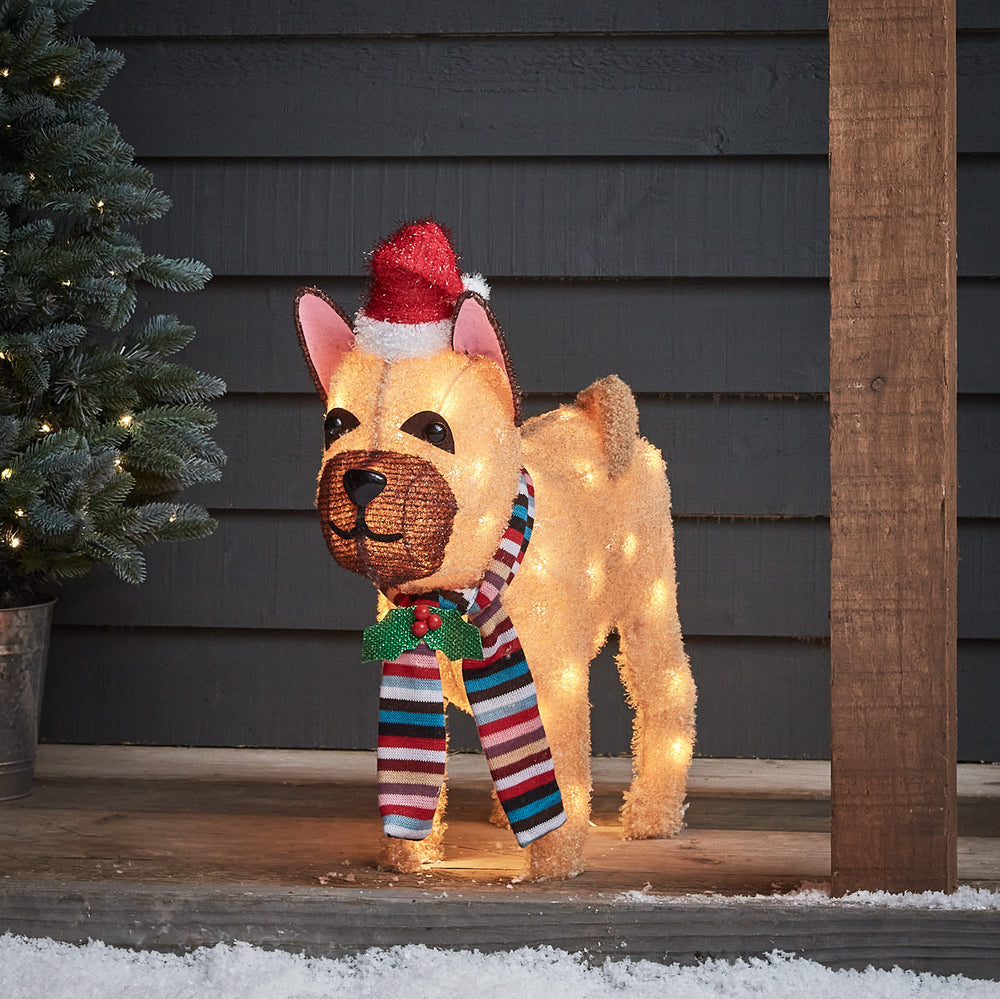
x=24, y=649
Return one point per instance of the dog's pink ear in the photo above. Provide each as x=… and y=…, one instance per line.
x=476, y=332
x=325, y=335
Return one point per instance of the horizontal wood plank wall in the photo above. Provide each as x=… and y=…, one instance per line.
x=645, y=186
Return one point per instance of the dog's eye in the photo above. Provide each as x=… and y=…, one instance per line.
x=432, y=428
x=338, y=423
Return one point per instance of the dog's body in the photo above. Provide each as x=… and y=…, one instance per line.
x=601, y=557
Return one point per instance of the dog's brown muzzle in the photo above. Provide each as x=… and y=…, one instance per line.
x=385, y=515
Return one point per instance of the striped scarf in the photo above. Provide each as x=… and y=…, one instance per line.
x=498, y=683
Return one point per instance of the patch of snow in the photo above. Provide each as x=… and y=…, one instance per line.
x=965, y=898
x=44, y=969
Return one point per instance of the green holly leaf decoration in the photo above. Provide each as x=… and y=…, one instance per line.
x=456, y=638
x=390, y=637
x=393, y=635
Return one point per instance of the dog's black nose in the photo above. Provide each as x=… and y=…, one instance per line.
x=363, y=485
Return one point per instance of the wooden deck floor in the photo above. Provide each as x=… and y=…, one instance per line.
x=175, y=848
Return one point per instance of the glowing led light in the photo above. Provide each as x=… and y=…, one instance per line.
x=99, y=205
x=6, y=473
x=595, y=577
x=66, y=283
x=172, y=517
x=118, y=463
x=45, y=428
x=540, y=564
x=630, y=546
x=586, y=471
x=658, y=597
x=571, y=679
x=15, y=541
x=56, y=81
x=5, y=71
x=19, y=513
x=126, y=420
x=576, y=799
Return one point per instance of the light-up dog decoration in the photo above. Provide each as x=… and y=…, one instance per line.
x=504, y=553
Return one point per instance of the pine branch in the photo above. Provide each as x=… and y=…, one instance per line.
x=161, y=336
x=98, y=432
x=174, y=275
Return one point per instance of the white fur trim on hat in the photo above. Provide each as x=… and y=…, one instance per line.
x=392, y=341
x=476, y=283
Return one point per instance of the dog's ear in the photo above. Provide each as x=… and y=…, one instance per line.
x=325, y=335
x=476, y=332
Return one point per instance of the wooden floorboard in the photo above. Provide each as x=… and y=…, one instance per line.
x=178, y=848
x=337, y=921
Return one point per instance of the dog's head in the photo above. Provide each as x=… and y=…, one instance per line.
x=423, y=450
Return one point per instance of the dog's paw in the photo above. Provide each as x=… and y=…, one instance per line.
x=642, y=821
x=558, y=855
x=404, y=856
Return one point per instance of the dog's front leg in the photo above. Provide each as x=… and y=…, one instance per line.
x=565, y=710
x=406, y=856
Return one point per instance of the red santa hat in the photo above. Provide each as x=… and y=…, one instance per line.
x=411, y=299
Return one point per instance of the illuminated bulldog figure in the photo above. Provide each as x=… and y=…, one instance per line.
x=504, y=552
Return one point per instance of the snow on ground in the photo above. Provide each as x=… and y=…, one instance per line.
x=43, y=969
x=965, y=898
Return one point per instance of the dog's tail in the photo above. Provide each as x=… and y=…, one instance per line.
x=610, y=404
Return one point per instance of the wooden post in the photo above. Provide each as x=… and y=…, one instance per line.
x=893, y=444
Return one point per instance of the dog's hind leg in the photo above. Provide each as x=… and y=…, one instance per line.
x=657, y=679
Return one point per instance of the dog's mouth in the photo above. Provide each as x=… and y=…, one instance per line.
x=362, y=530
x=385, y=515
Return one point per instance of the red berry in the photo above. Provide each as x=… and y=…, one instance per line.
x=434, y=622
x=421, y=612
x=419, y=628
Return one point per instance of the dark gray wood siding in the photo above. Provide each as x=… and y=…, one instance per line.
x=645, y=186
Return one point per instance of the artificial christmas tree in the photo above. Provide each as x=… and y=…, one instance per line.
x=99, y=430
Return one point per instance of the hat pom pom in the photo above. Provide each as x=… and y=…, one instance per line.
x=476, y=283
